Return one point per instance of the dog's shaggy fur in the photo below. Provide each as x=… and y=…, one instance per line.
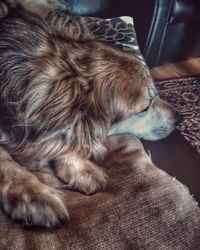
x=60, y=92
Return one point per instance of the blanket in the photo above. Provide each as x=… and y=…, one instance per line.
x=142, y=207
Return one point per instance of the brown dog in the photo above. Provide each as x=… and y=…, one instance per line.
x=60, y=92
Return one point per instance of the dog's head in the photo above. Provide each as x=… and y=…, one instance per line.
x=155, y=122
x=136, y=106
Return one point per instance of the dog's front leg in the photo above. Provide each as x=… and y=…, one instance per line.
x=27, y=200
x=80, y=174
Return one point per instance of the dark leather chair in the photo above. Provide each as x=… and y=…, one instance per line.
x=167, y=30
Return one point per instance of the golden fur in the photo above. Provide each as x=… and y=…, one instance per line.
x=60, y=92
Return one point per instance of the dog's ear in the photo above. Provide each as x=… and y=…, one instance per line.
x=124, y=92
x=3, y=9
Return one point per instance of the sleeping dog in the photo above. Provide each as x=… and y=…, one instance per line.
x=61, y=92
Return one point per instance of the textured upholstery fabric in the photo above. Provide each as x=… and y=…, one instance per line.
x=141, y=208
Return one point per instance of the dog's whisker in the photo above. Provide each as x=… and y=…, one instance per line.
x=149, y=154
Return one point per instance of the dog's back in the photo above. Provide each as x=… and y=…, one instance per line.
x=21, y=36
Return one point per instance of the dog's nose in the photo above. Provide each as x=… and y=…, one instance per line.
x=179, y=118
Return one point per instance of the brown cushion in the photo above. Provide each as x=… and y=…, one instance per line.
x=141, y=208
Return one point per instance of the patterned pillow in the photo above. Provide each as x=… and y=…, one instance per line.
x=119, y=31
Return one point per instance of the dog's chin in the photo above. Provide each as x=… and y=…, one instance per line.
x=155, y=134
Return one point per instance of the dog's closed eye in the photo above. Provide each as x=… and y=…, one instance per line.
x=145, y=109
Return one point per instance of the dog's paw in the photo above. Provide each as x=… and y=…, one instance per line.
x=87, y=179
x=40, y=206
x=3, y=10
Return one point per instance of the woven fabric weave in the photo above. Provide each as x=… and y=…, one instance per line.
x=141, y=208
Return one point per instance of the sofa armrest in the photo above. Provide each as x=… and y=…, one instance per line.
x=174, y=34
